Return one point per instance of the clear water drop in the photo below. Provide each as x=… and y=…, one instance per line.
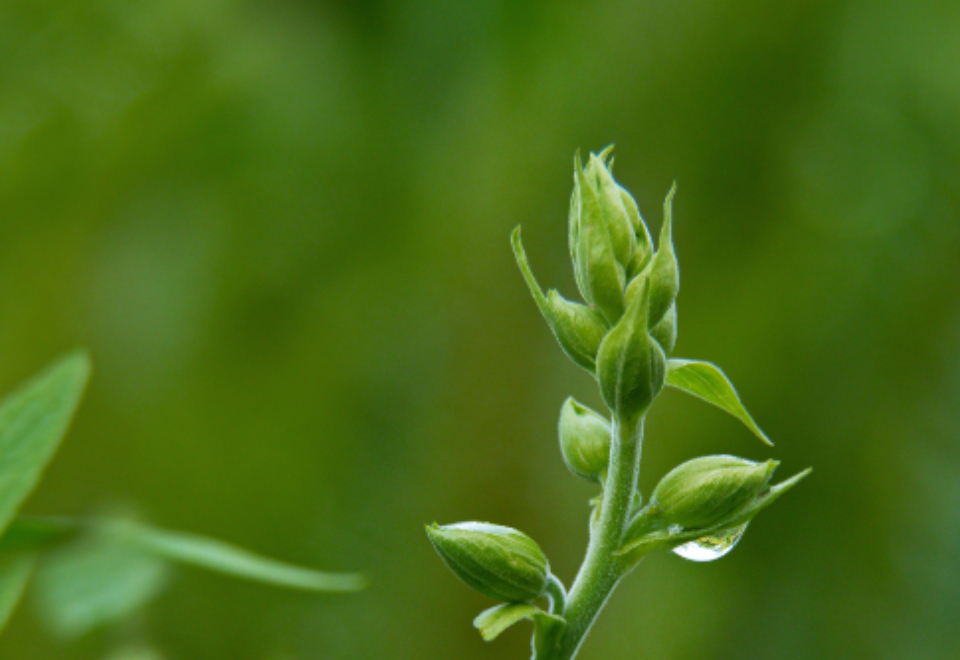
x=675, y=529
x=713, y=547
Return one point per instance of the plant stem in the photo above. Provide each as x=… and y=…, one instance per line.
x=601, y=570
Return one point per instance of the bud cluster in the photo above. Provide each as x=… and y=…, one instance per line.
x=629, y=324
x=622, y=334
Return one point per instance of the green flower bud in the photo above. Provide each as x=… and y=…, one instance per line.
x=631, y=367
x=644, y=251
x=578, y=329
x=706, y=492
x=612, y=209
x=600, y=276
x=665, y=332
x=499, y=562
x=662, y=272
x=584, y=440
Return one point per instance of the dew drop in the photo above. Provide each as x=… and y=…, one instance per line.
x=709, y=548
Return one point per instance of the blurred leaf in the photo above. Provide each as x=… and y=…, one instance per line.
x=136, y=652
x=709, y=383
x=33, y=420
x=15, y=573
x=222, y=557
x=96, y=581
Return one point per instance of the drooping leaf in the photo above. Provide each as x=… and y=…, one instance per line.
x=15, y=572
x=33, y=421
x=95, y=581
x=222, y=557
x=495, y=620
x=709, y=383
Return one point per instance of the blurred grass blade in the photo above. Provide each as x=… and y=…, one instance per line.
x=33, y=420
x=15, y=573
x=709, y=383
x=95, y=581
x=222, y=557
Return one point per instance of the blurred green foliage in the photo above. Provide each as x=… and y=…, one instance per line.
x=282, y=230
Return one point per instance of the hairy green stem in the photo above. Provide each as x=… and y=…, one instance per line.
x=556, y=594
x=601, y=569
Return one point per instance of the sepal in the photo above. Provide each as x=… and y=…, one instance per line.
x=578, y=328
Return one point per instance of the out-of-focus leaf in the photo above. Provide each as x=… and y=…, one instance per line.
x=33, y=420
x=135, y=652
x=709, y=383
x=96, y=581
x=15, y=573
x=225, y=558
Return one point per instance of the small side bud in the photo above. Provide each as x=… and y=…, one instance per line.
x=499, y=562
x=578, y=329
x=600, y=276
x=584, y=440
x=665, y=332
x=631, y=367
x=708, y=491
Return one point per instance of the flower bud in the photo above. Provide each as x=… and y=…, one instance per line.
x=600, y=276
x=578, y=329
x=631, y=367
x=665, y=332
x=611, y=208
x=709, y=491
x=499, y=562
x=662, y=272
x=584, y=440
x=644, y=251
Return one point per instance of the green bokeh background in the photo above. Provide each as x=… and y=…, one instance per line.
x=282, y=230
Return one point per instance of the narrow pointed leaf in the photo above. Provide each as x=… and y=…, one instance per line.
x=222, y=557
x=33, y=421
x=709, y=383
x=15, y=572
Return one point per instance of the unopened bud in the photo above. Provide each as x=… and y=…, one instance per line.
x=709, y=491
x=499, y=562
x=665, y=332
x=631, y=367
x=662, y=273
x=584, y=440
x=600, y=276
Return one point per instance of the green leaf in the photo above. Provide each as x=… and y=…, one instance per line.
x=495, y=620
x=222, y=557
x=15, y=573
x=707, y=382
x=33, y=421
x=96, y=581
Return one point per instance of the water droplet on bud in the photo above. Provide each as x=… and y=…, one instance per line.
x=712, y=547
